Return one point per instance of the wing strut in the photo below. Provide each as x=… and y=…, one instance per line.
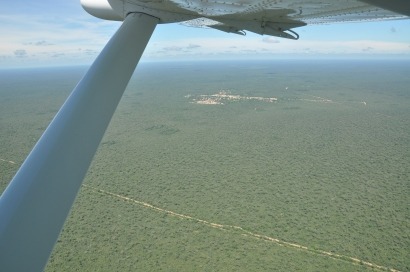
x=34, y=206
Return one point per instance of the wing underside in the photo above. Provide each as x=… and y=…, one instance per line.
x=265, y=17
x=278, y=18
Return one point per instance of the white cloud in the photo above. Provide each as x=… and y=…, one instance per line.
x=51, y=41
x=257, y=46
x=42, y=43
x=193, y=46
x=20, y=53
x=172, y=48
x=270, y=40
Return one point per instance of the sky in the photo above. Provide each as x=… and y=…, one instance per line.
x=60, y=32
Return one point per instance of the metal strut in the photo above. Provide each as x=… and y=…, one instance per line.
x=35, y=205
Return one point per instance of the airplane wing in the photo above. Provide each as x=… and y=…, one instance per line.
x=265, y=17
